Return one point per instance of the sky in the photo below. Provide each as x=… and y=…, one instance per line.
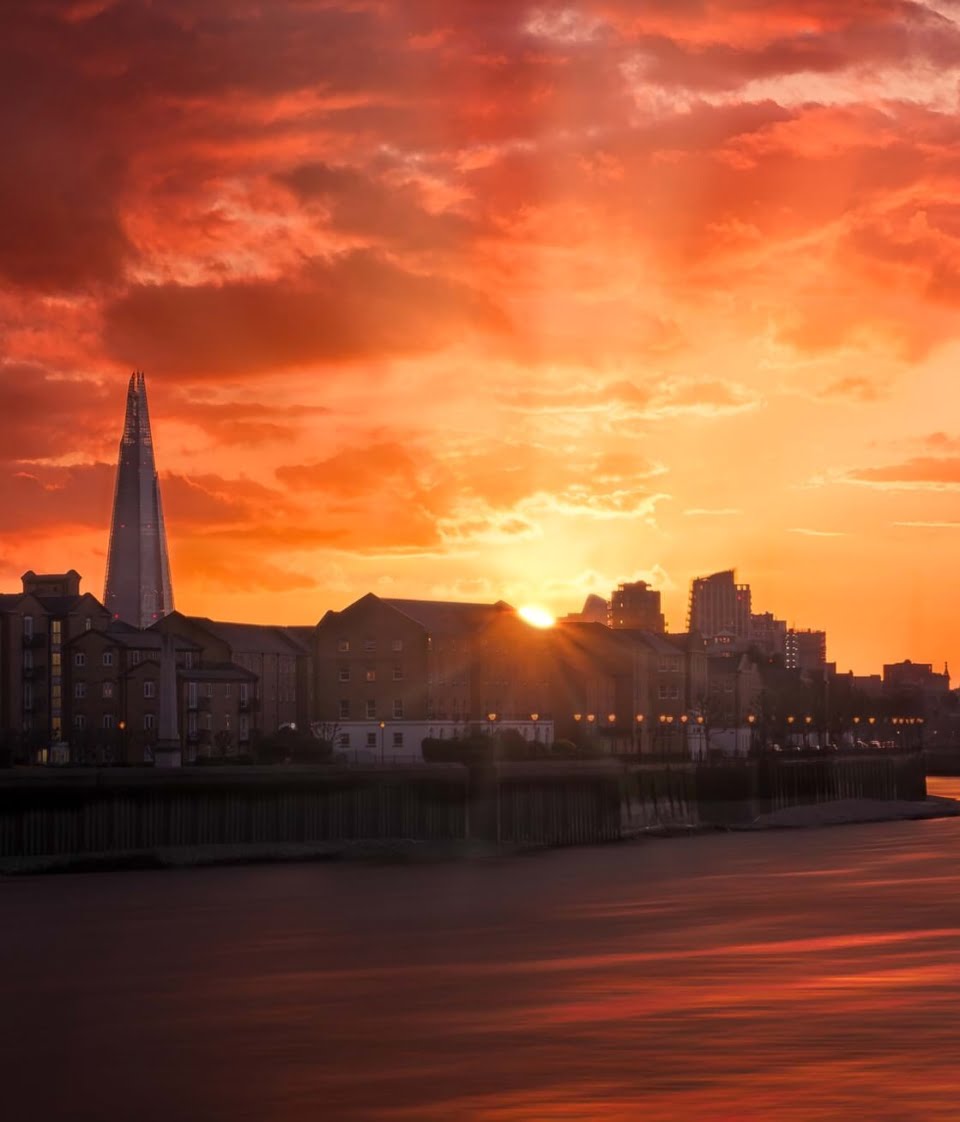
x=478, y=300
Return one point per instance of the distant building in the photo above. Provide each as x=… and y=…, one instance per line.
x=279, y=661
x=35, y=627
x=720, y=606
x=390, y=672
x=595, y=610
x=138, y=589
x=806, y=651
x=637, y=605
x=768, y=634
x=113, y=698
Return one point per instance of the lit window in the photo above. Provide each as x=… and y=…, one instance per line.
x=370, y=675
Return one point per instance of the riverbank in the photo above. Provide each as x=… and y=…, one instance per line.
x=844, y=812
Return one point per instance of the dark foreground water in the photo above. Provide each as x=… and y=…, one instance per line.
x=783, y=975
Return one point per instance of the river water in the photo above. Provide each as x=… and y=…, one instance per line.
x=802, y=974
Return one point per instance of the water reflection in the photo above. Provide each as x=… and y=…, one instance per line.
x=788, y=975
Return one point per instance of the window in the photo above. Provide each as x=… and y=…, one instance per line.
x=107, y=658
x=344, y=709
x=369, y=675
x=369, y=646
x=55, y=660
x=79, y=721
x=344, y=740
x=56, y=627
x=106, y=690
x=244, y=729
x=87, y=623
x=398, y=707
x=674, y=692
x=398, y=740
x=79, y=659
x=188, y=660
x=371, y=740
x=28, y=627
x=191, y=724
x=397, y=672
x=663, y=691
x=396, y=645
x=149, y=688
x=107, y=721
x=343, y=645
x=79, y=690
x=149, y=722
x=134, y=658
x=371, y=710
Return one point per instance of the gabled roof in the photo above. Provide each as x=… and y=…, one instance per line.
x=9, y=600
x=449, y=617
x=260, y=637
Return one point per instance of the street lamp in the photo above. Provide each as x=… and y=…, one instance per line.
x=638, y=734
x=383, y=725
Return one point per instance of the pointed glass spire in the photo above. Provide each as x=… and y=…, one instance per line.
x=138, y=589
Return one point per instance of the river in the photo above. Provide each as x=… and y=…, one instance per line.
x=801, y=974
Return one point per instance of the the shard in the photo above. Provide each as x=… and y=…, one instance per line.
x=138, y=589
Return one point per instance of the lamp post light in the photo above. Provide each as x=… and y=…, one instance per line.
x=856, y=730
x=808, y=721
x=638, y=734
x=751, y=721
x=122, y=726
x=382, y=725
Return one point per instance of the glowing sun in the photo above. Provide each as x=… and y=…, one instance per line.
x=536, y=616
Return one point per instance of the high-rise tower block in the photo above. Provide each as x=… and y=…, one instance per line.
x=138, y=589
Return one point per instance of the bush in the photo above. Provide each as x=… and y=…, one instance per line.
x=468, y=750
x=289, y=745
